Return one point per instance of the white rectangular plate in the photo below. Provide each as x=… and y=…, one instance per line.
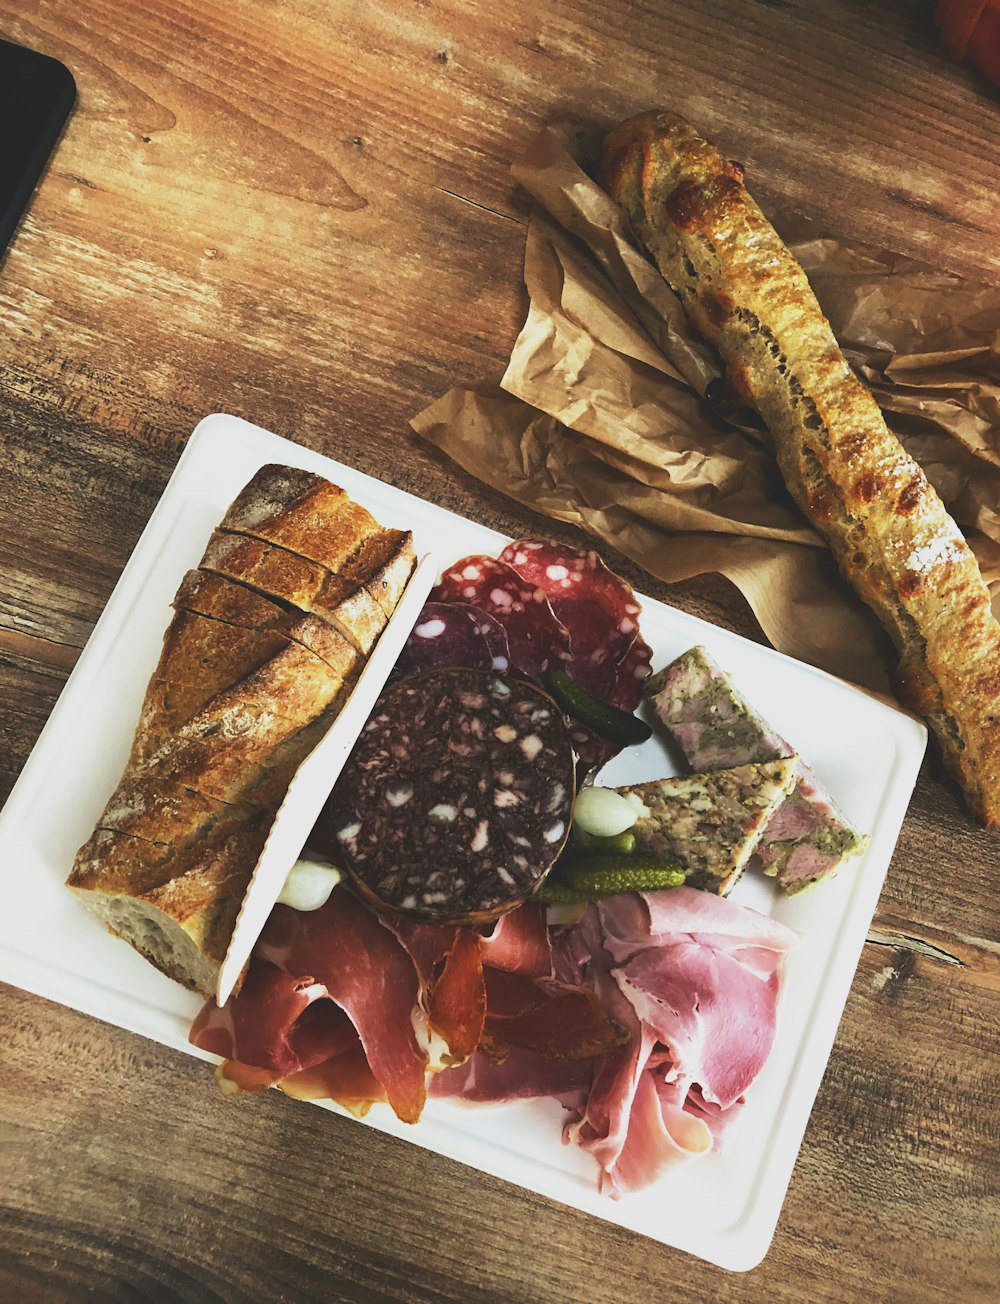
x=723, y=1208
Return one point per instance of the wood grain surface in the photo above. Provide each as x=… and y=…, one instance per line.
x=301, y=212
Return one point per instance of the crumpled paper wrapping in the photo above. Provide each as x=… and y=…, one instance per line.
x=607, y=415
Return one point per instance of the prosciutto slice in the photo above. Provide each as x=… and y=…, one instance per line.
x=698, y=977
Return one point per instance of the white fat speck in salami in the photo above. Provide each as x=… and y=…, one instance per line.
x=491, y=765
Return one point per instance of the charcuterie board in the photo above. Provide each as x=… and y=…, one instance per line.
x=865, y=752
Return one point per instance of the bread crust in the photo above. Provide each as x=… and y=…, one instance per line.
x=888, y=529
x=261, y=653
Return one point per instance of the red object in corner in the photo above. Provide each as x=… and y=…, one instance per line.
x=970, y=29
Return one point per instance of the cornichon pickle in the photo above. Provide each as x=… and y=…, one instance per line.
x=620, y=843
x=604, y=719
x=605, y=875
x=557, y=894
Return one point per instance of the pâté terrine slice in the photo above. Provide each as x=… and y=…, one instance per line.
x=710, y=823
x=808, y=838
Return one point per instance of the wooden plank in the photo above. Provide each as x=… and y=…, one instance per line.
x=302, y=213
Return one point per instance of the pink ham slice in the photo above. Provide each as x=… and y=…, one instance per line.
x=699, y=977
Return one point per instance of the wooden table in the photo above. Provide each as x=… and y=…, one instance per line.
x=301, y=213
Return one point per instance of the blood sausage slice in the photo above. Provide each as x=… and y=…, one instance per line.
x=538, y=640
x=456, y=799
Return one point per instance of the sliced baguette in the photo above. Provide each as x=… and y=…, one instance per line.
x=248, y=682
x=286, y=577
x=222, y=598
x=176, y=906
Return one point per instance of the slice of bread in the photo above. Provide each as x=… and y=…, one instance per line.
x=285, y=577
x=302, y=513
x=176, y=905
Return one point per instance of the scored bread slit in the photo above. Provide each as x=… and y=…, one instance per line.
x=276, y=573
x=229, y=601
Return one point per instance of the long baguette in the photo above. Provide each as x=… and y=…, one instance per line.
x=886, y=525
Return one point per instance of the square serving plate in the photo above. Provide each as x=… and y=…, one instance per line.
x=865, y=752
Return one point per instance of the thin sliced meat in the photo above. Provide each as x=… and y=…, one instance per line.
x=632, y=921
x=545, y=1016
x=279, y=1023
x=369, y=974
x=523, y=1075
x=716, y=1018
x=519, y=942
x=602, y=1126
x=703, y=975
x=695, y=979
x=625, y=693
x=597, y=607
x=456, y=1002
x=538, y=640
x=452, y=991
x=347, y=1079
x=445, y=634
x=660, y=1133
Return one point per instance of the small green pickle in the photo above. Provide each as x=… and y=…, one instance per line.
x=586, y=843
x=602, y=717
x=556, y=894
x=605, y=875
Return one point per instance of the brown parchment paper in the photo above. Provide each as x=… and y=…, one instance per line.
x=607, y=416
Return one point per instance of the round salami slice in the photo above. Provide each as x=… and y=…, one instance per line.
x=538, y=640
x=456, y=799
x=445, y=634
x=626, y=693
x=597, y=607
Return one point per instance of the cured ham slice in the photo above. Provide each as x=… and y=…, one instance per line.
x=519, y=942
x=281, y=1024
x=523, y=1075
x=696, y=978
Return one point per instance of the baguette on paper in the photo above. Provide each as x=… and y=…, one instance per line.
x=249, y=679
x=886, y=525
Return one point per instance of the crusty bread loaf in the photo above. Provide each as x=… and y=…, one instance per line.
x=247, y=683
x=890, y=532
x=294, y=580
x=207, y=594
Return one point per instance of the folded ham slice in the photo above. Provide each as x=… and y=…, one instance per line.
x=696, y=978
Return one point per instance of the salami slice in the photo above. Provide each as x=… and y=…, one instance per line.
x=456, y=799
x=445, y=634
x=597, y=607
x=538, y=640
x=626, y=693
